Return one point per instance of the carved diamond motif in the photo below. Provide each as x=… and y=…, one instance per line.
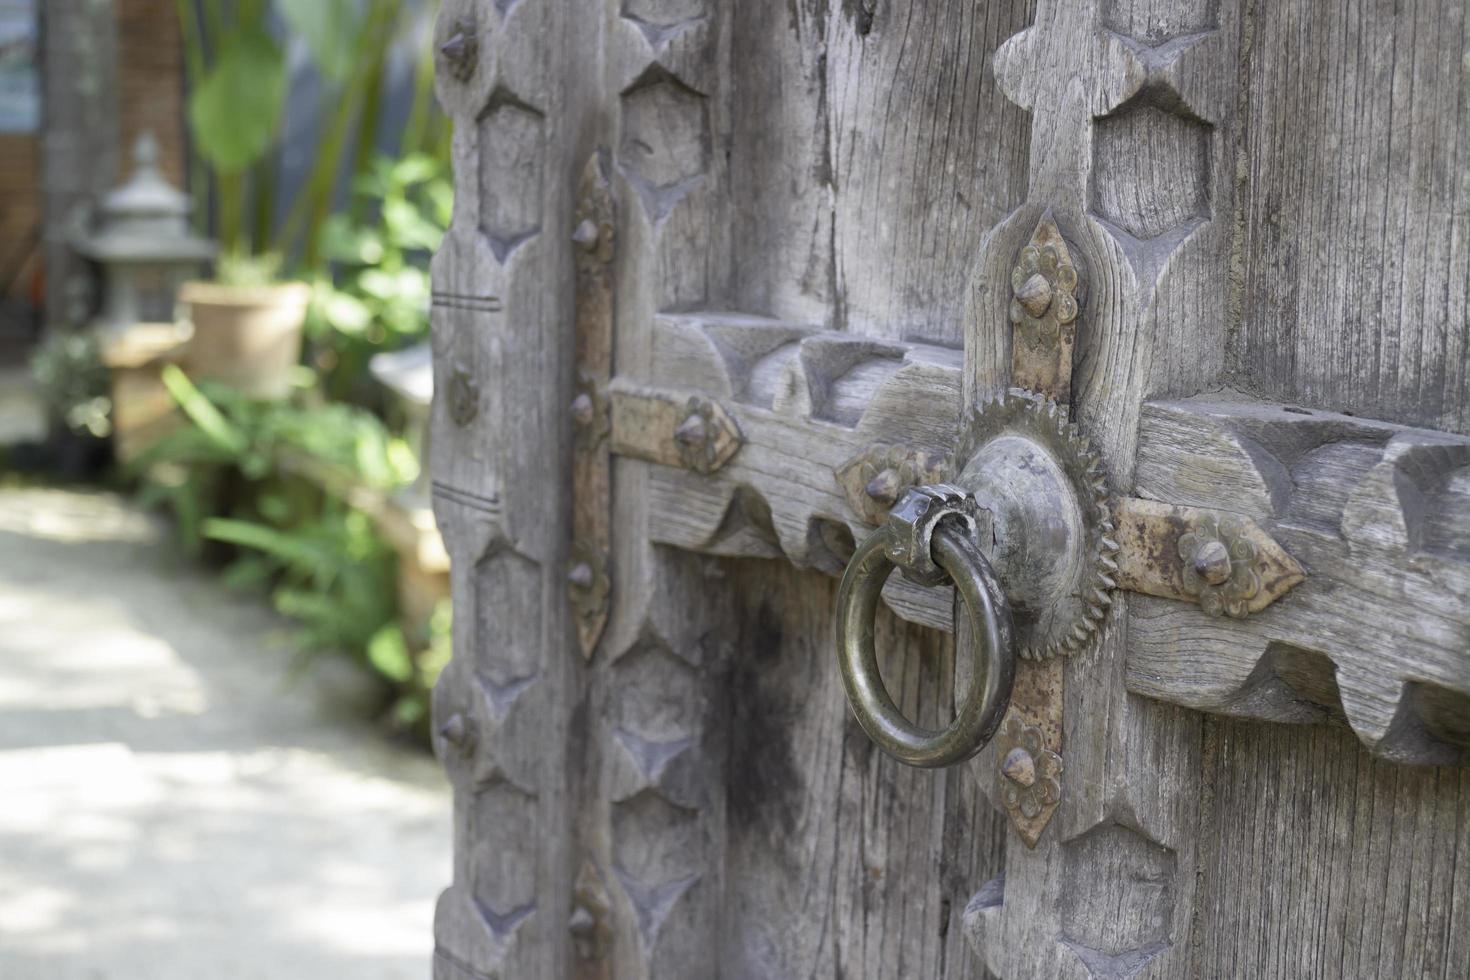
x=512, y=151
x=1151, y=170
x=665, y=151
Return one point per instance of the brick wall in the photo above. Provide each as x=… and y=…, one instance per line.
x=150, y=89
x=150, y=97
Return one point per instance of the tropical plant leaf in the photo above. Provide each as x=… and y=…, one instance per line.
x=235, y=111
x=387, y=651
x=329, y=28
x=292, y=548
x=203, y=412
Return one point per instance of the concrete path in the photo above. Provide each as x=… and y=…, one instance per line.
x=168, y=810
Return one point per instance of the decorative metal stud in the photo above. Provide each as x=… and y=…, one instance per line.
x=1219, y=567
x=464, y=397
x=588, y=589
x=707, y=437
x=461, y=51
x=874, y=479
x=589, y=412
x=1223, y=561
x=1045, y=288
x=1028, y=779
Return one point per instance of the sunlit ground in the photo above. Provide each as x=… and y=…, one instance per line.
x=168, y=807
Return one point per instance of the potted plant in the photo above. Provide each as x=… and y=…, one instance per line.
x=73, y=385
x=247, y=326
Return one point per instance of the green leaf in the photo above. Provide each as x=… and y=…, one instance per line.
x=291, y=548
x=416, y=168
x=343, y=311
x=330, y=29
x=202, y=412
x=236, y=108
x=388, y=652
x=248, y=573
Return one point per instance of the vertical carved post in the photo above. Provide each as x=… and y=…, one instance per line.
x=658, y=833
x=1126, y=152
x=503, y=348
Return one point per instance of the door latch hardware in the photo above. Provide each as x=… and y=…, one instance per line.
x=932, y=532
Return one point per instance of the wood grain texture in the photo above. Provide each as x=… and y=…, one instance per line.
x=1355, y=291
x=653, y=813
x=841, y=862
x=1319, y=861
x=1128, y=134
x=803, y=189
x=503, y=353
x=925, y=153
x=1379, y=514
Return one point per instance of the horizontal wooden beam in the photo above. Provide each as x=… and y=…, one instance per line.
x=1292, y=565
x=1378, y=516
x=803, y=402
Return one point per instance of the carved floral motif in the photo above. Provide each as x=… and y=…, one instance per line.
x=1044, y=291
x=1029, y=771
x=875, y=478
x=1220, y=566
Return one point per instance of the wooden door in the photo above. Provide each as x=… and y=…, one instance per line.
x=725, y=279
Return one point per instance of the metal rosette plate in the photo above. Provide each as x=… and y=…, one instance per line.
x=1047, y=491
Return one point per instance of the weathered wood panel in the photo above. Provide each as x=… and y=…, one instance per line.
x=841, y=862
x=1129, y=150
x=1318, y=861
x=1355, y=290
x=834, y=168
x=1379, y=515
x=926, y=154
x=503, y=352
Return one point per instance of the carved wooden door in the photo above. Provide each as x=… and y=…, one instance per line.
x=1176, y=293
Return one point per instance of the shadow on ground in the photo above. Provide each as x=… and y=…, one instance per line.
x=172, y=809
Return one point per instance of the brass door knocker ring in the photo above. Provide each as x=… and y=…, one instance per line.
x=931, y=535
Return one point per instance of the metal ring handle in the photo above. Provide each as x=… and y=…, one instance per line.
x=992, y=649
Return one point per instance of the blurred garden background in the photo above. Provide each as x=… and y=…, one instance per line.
x=224, y=600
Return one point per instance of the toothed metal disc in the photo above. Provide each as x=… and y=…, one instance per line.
x=1047, y=491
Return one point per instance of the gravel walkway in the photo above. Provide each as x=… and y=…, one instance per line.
x=168, y=808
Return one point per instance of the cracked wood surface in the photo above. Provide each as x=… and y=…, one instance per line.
x=861, y=176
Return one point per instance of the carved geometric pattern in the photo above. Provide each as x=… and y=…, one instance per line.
x=1156, y=23
x=501, y=697
x=512, y=154
x=507, y=642
x=847, y=390
x=1151, y=170
x=651, y=757
x=503, y=878
x=653, y=903
x=660, y=21
x=1379, y=630
x=1118, y=909
x=666, y=145
x=502, y=927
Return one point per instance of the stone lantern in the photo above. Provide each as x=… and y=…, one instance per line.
x=142, y=242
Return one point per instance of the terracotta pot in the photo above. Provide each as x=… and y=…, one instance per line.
x=246, y=337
